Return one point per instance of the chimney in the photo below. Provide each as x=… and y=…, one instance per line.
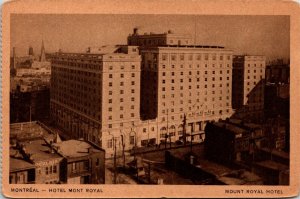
x=135, y=31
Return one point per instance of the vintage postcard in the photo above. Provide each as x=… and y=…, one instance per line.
x=185, y=99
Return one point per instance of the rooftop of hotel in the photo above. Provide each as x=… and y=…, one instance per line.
x=152, y=34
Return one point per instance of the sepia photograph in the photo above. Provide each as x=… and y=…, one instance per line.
x=149, y=99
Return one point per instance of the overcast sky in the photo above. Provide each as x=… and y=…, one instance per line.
x=259, y=35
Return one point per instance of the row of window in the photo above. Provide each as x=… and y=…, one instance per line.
x=122, y=67
x=211, y=112
x=121, y=83
x=110, y=101
x=198, y=73
x=190, y=87
x=191, y=57
x=121, y=108
x=121, y=75
x=121, y=116
x=190, y=66
x=49, y=170
x=121, y=92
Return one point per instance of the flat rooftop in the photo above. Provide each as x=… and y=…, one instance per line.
x=272, y=165
x=17, y=161
x=27, y=130
x=233, y=128
x=74, y=148
x=39, y=150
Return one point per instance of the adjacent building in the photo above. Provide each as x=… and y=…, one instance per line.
x=248, y=83
x=96, y=95
x=41, y=157
x=226, y=143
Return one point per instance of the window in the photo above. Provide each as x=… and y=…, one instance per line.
x=110, y=101
x=121, y=116
x=163, y=88
x=97, y=162
x=214, y=57
x=132, y=107
x=110, y=126
x=132, y=83
x=181, y=57
x=144, y=130
x=132, y=75
x=132, y=90
x=109, y=143
x=121, y=99
x=132, y=99
x=173, y=57
x=110, y=76
x=164, y=74
x=132, y=114
x=47, y=170
x=121, y=83
x=110, y=83
x=121, y=108
x=110, y=109
x=198, y=56
x=110, y=117
x=122, y=75
x=133, y=67
x=221, y=57
x=164, y=56
x=131, y=140
x=206, y=56
x=121, y=91
x=110, y=92
x=110, y=67
x=54, y=169
x=74, y=167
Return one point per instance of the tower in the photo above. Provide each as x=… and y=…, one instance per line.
x=43, y=57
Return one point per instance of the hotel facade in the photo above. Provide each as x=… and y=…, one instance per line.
x=136, y=94
x=248, y=86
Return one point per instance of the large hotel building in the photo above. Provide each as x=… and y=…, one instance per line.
x=135, y=94
x=248, y=86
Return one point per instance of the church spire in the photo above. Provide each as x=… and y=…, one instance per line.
x=43, y=56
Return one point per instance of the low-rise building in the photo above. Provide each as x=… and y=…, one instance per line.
x=40, y=157
x=226, y=143
x=84, y=162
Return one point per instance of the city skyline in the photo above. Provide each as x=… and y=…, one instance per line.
x=75, y=33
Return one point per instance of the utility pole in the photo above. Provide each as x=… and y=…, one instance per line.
x=183, y=129
x=167, y=129
x=123, y=149
x=191, y=143
x=115, y=161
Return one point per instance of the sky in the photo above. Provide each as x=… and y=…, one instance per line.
x=254, y=35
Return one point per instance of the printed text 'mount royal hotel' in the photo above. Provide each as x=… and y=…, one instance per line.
x=139, y=92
